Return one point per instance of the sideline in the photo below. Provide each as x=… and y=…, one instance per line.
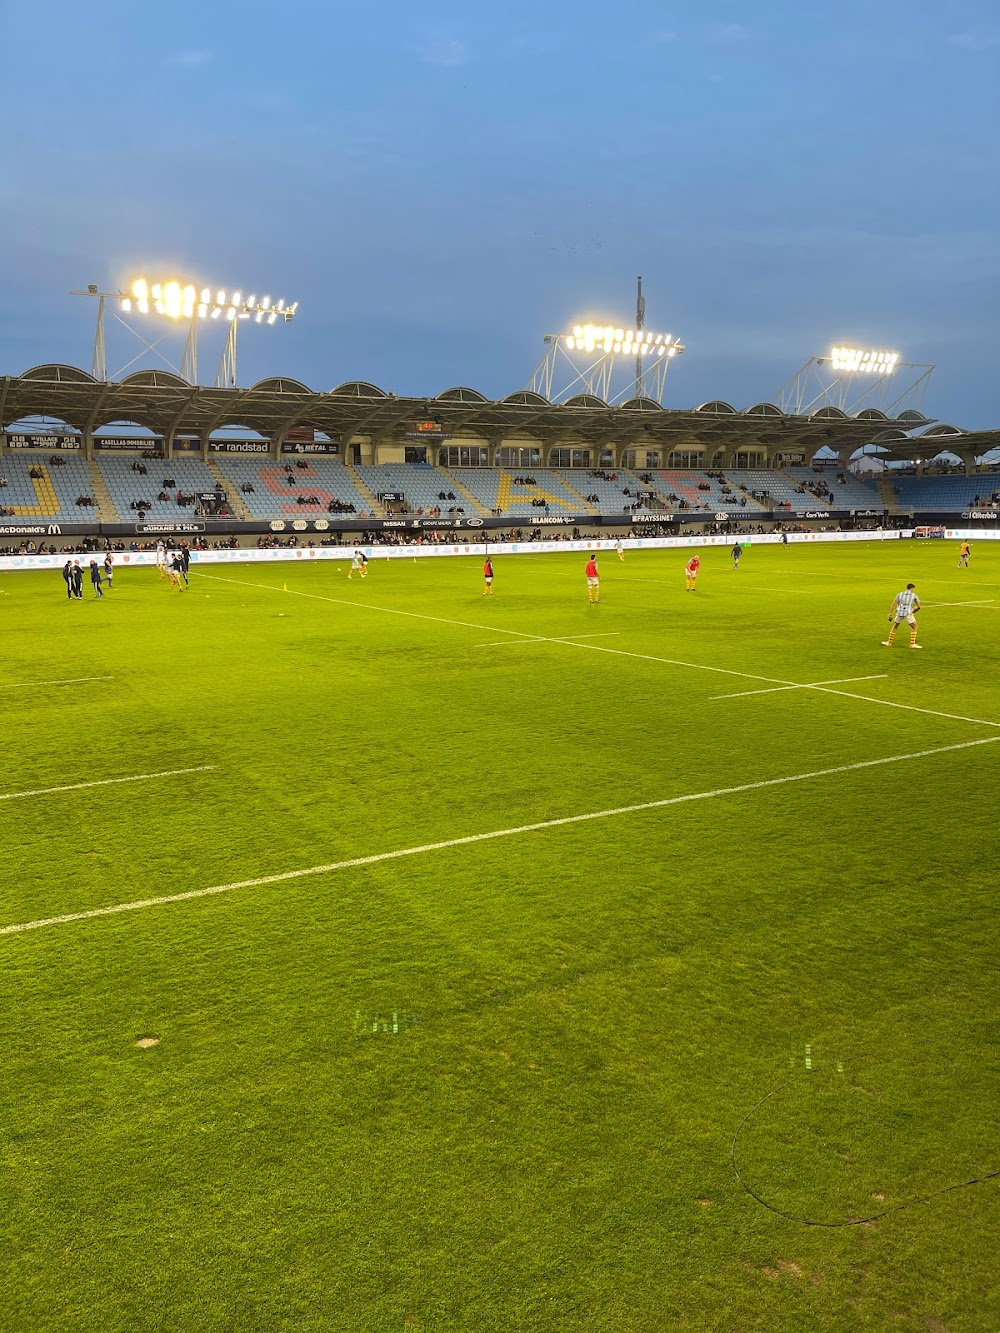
x=357, y=861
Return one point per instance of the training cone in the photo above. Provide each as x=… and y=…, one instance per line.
x=284, y=587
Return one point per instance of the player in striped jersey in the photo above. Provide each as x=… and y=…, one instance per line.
x=905, y=606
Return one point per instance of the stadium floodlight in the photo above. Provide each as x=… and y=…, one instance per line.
x=182, y=300
x=179, y=300
x=863, y=361
x=603, y=339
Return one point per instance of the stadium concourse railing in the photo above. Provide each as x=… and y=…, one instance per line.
x=478, y=546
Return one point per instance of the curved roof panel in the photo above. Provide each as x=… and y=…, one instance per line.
x=717, y=408
x=461, y=394
x=358, y=389
x=941, y=431
x=280, y=385
x=642, y=404
x=763, y=410
x=526, y=398
x=155, y=379
x=871, y=414
x=829, y=413
x=589, y=400
x=59, y=374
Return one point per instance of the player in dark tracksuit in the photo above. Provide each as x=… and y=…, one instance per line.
x=95, y=578
x=67, y=573
x=77, y=577
x=185, y=564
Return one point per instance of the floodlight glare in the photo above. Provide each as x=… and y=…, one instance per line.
x=627, y=342
x=858, y=360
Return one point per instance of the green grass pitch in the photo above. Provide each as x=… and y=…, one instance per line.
x=494, y=1086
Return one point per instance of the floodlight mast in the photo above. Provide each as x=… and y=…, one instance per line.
x=852, y=379
x=600, y=347
x=177, y=301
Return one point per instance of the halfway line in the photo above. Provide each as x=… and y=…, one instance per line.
x=107, y=782
x=136, y=906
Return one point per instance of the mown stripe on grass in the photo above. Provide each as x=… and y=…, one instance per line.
x=357, y=861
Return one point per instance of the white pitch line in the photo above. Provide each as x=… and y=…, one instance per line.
x=618, y=652
x=107, y=782
x=140, y=904
x=37, y=684
x=982, y=602
x=539, y=638
x=776, y=689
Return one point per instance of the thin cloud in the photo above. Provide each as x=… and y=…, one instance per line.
x=975, y=41
x=189, y=59
x=665, y=35
x=447, y=52
x=728, y=32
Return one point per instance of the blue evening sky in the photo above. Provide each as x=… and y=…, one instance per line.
x=440, y=184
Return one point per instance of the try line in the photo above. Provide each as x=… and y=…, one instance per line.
x=107, y=782
x=21, y=927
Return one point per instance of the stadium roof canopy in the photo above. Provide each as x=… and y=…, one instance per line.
x=166, y=405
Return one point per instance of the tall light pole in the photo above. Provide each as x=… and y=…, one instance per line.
x=640, y=324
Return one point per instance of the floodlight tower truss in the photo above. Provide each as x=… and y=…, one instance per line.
x=820, y=383
x=567, y=370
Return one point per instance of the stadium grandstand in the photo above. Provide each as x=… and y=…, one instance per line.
x=357, y=455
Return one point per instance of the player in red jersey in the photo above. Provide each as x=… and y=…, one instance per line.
x=593, y=580
x=691, y=573
x=488, y=576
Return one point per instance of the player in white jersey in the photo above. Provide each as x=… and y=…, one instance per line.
x=619, y=547
x=161, y=558
x=905, y=606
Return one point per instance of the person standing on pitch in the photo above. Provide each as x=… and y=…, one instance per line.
x=67, y=573
x=905, y=606
x=355, y=566
x=76, y=574
x=593, y=581
x=736, y=552
x=185, y=562
x=95, y=578
x=161, y=558
x=109, y=569
x=619, y=547
x=691, y=573
x=488, y=576
x=965, y=550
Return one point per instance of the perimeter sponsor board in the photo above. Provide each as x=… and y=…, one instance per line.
x=868, y=513
x=648, y=518
x=169, y=527
x=240, y=447
x=816, y=513
x=42, y=442
x=555, y=522
x=132, y=445
x=43, y=529
x=990, y=514
x=288, y=446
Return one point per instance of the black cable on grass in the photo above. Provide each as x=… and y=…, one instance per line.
x=850, y=1221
